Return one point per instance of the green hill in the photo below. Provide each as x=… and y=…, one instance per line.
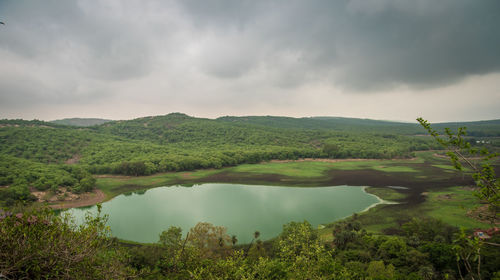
x=80, y=121
x=177, y=142
x=488, y=128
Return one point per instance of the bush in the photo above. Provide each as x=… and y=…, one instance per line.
x=40, y=245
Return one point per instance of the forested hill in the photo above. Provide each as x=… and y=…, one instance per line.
x=330, y=123
x=80, y=121
x=48, y=155
x=478, y=128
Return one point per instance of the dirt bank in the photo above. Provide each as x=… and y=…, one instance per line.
x=85, y=199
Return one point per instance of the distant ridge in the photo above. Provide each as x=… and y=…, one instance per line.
x=474, y=128
x=81, y=121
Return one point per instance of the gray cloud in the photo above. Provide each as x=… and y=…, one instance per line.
x=366, y=44
x=170, y=54
x=94, y=39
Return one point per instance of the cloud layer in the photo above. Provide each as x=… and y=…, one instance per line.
x=122, y=59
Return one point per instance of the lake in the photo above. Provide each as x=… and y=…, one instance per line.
x=242, y=209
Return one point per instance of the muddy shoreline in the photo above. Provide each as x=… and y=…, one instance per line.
x=86, y=199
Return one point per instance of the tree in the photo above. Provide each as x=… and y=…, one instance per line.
x=302, y=253
x=377, y=270
x=461, y=152
x=467, y=250
x=331, y=149
x=41, y=245
x=428, y=229
x=212, y=241
x=171, y=238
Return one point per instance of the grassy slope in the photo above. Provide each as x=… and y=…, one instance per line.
x=386, y=218
x=300, y=170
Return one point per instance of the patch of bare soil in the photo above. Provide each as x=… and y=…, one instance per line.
x=63, y=194
x=186, y=175
x=112, y=176
x=484, y=215
x=73, y=160
x=447, y=196
x=84, y=199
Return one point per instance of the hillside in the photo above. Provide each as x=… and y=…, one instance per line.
x=489, y=128
x=46, y=155
x=80, y=121
x=55, y=161
x=478, y=129
x=331, y=123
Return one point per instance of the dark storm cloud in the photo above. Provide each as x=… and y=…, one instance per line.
x=357, y=43
x=100, y=45
x=361, y=44
x=18, y=91
x=259, y=55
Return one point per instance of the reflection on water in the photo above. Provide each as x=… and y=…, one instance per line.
x=243, y=209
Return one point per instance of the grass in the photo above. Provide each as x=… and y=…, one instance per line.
x=356, y=165
x=301, y=170
x=380, y=219
x=376, y=219
x=115, y=185
x=394, y=168
x=445, y=166
x=318, y=168
x=452, y=205
x=294, y=169
x=449, y=205
x=379, y=165
x=387, y=194
x=291, y=169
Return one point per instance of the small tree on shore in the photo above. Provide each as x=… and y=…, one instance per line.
x=462, y=153
x=467, y=249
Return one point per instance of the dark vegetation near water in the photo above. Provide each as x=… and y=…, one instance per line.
x=41, y=245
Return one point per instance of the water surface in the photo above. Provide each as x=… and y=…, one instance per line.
x=242, y=209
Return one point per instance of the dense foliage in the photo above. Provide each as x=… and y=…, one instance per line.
x=44, y=156
x=461, y=153
x=41, y=245
x=21, y=175
x=81, y=121
x=38, y=244
x=426, y=249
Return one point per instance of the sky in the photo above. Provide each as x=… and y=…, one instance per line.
x=378, y=59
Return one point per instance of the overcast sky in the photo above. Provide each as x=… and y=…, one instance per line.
x=380, y=59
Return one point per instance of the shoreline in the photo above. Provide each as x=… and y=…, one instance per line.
x=97, y=196
x=380, y=201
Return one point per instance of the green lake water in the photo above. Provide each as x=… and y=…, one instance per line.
x=242, y=209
